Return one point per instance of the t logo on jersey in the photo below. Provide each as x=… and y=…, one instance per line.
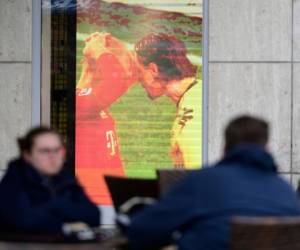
x=85, y=91
x=111, y=142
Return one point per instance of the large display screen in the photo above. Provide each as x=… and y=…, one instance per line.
x=138, y=89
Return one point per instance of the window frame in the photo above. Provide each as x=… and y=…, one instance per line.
x=41, y=77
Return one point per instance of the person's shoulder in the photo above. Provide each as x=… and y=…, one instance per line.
x=198, y=183
x=14, y=173
x=210, y=174
x=65, y=176
x=288, y=192
x=15, y=167
x=202, y=175
x=284, y=182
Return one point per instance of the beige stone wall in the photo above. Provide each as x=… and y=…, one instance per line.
x=254, y=51
x=15, y=74
x=254, y=67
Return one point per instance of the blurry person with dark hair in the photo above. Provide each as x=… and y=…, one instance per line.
x=37, y=194
x=196, y=214
x=166, y=70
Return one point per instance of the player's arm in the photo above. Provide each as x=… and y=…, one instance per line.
x=111, y=86
x=86, y=76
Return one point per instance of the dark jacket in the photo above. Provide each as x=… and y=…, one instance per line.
x=244, y=183
x=31, y=202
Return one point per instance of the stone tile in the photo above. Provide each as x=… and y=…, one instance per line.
x=15, y=32
x=296, y=31
x=250, y=30
x=259, y=89
x=296, y=118
x=15, y=111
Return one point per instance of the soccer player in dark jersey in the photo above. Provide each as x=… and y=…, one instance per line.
x=167, y=70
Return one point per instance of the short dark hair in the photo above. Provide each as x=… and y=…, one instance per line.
x=246, y=130
x=168, y=53
x=26, y=142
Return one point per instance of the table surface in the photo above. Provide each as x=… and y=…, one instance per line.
x=39, y=246
x=106, y=245
x=109, y=245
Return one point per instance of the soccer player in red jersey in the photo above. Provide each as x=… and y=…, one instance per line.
x=108, y=70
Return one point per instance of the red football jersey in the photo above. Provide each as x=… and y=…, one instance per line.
x=97, y=148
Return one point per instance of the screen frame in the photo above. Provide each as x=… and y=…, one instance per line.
x=36, y=62
x=205, y=81
x=41, y=80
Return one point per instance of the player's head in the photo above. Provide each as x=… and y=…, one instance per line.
x=163, y=58
x=43, y=148
x=246, y=130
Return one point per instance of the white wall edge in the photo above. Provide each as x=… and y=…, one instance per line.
x=205, y=81
x=36, y=63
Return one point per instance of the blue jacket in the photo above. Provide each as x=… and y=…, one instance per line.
x=244, y=183
x=30, y=202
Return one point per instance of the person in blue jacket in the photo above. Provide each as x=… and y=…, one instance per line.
x=37, y=194
x=196, y=214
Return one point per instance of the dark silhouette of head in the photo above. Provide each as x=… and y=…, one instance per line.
x=245, y=130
